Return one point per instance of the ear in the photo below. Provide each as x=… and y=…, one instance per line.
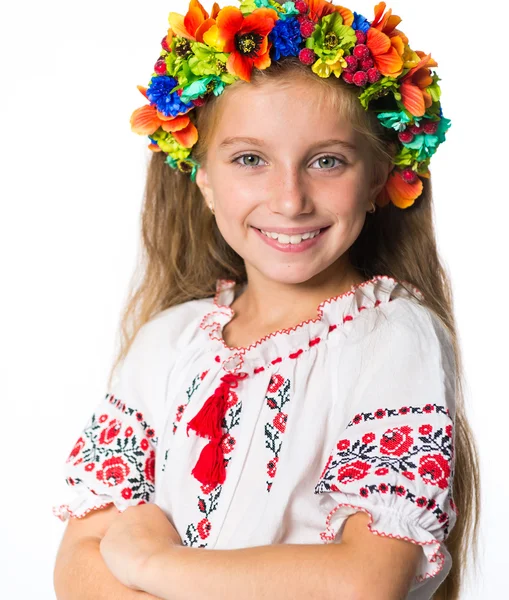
x=202, y=181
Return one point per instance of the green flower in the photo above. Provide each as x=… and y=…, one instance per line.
x=283, y=10
x=383, y=87
x=201, y=87
x=396, y=120
x=330, y=36
x=426, y=144
x=187, y=165
x=169, y=144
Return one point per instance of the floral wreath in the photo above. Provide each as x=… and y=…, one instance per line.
x=202, y=54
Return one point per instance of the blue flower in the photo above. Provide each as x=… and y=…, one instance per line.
x=286, y=38
x=360, y=23
x=159, y=94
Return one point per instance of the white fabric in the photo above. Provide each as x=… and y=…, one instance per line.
x=351, y=411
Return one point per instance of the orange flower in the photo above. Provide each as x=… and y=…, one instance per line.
x=321, y=8
x=386, y=43
x=195, y=23
x=147, y=120
x=245, y=38
x=413, y=86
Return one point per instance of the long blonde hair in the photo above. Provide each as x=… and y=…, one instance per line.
x=184, y=253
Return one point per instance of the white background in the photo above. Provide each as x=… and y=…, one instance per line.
x=71, y=190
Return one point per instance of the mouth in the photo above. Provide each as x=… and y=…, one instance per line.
x=294, y=242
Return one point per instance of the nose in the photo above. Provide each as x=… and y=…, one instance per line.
x=290, y=194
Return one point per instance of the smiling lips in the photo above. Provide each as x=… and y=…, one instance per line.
x=296, y=242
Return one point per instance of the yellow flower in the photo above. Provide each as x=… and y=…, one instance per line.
x=335, y=64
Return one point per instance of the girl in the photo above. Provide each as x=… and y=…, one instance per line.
x=288, y=396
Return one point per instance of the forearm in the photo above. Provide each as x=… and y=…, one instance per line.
x=284, y=571
x=81, y=574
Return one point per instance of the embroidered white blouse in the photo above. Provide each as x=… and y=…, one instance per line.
x=353, y=410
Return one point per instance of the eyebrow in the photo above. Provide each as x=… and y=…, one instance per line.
x=231, y=141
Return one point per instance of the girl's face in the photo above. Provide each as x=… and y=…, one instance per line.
x=278, y=163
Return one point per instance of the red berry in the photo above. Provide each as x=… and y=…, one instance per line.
x=179, y=92
x=353, y=64
x=348, y=77
x=307, y=56
x=408, y=175
x=416, y=129
x=306, y=28
x=373, y=75
x=164, y=44
x=431, y=127
x=405, y=136
x=361, y=51
x=361, y=36
x=160, y=67
x=367, y=64
x=199, y=101
x=360, y=78
x=301, y=6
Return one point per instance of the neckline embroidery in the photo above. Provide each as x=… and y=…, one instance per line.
x=223, y=313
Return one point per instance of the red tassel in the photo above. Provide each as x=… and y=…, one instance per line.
x=207, y=422
x=209, y=469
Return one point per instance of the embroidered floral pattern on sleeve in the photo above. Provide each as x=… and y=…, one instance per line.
x=116, y=450
x=278, y=394
x=197, y=533
x=403, y=461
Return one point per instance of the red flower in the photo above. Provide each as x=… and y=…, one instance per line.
x=228, y=444
x=343, y=444
x=206, y=488
x=139, y=416
x=276, y=381
x=396, y=441
x=400, y=490
x=245, y=38
x=272, y=467
x=357, y=419
x=129, y=432
x=111, y=432
x=382, y=471
x=127, y=493
x=364, y=492
x=431, y=504
x=448, y=430
x=425, y=429
x=384, y=488
x=443, y=518
x=428, y=408
x=90, y=467
x=380, y=413
x=77, y=449
x=232, y=399
x=279, y=421
x=353, y=471
x=408, y=475
x=103, y=418
x=204, y=528
x=368, y=438
x=434, y=470
x=150, y=465
x=144, y=444
x=150, y=433
x=114, y=471
x=421, y=501
x=404, y=410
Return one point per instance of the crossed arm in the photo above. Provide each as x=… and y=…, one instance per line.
x=138, y=556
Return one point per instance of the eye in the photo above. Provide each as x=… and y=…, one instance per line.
x=327, y=159
x=250, y=163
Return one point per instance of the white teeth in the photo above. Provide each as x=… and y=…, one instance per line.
x=282, y=238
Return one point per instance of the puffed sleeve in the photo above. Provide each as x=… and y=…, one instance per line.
x=113, y=458
x=392, y=454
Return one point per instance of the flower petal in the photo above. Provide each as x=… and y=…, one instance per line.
x=377, y=42
x=144, y=120
x=401, y=193
x=261, y=21
x=187, y=137
x=389, y=64
x=412, y=99
x=346, y=15
x=175, y=124
x=143, y=90
x=195, y=16
x=178, y=27
x=240, y=66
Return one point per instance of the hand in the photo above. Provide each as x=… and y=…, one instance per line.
x=134, y=536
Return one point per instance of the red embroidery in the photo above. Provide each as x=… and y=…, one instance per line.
x=278, y=394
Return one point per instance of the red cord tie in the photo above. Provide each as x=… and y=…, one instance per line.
x=207, y=423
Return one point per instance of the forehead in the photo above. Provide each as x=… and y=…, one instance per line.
x=288, y=110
